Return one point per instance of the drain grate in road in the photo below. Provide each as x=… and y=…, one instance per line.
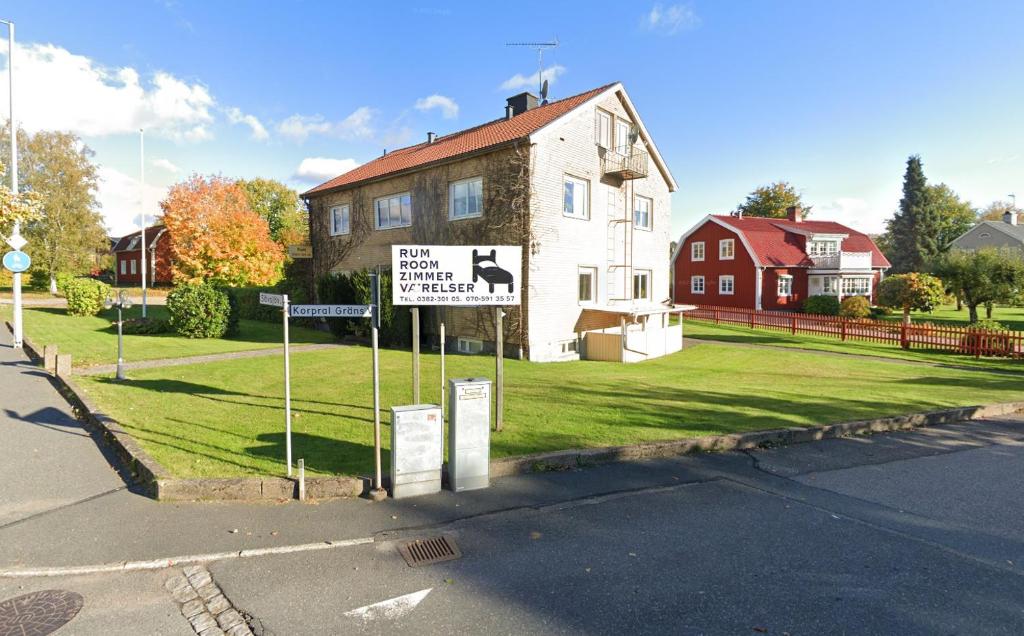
x=38, y=613
x=427, y=551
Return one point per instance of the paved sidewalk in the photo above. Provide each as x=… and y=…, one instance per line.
x=102, y=369
x=49, y=459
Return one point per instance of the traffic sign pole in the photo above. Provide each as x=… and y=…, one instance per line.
x=16, y=279
x=377, y=493
x=287, y=390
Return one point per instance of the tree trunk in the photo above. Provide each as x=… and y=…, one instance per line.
x=53, y=285
x=906, y=317
x=988, y=311
x=972, y=311
x=959, y=303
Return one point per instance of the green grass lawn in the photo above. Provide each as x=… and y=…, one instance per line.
x=701, y=330
x=226, y=418
x=1011, y=317
x=93, y=340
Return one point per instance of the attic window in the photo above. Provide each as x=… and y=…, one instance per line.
x=134, y=243
x=984, y=235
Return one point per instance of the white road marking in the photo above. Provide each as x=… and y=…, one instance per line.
x=391, y=608
x=160, y=564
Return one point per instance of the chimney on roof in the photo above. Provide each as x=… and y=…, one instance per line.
x=431, y=137
x=795, y=213
x=508, y=111
x=521, y=103
x=1010, y=217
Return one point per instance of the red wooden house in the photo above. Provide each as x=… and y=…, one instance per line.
x=128, y=258
x=774, y=264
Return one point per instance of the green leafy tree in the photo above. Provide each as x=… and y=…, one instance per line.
x=57, y=168
x=914, y=229
x=994, y=211
x=982, y=277
x=771, y=201
x=22, y=208
x=911, y=292
x=953, y=215
x=281, y=207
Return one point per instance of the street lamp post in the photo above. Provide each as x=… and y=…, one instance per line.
x=15, y=240
x=123, y=302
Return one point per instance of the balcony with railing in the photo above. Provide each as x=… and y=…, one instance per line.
x=843, y=261
x=624, y=163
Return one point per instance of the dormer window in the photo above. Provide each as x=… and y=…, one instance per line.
x=822, y=247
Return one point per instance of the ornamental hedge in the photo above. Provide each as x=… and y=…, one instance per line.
x=199, y=311
x=85, y=296
x=822, y=305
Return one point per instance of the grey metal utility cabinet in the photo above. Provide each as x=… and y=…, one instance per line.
x=469, y=433
x=417, y=449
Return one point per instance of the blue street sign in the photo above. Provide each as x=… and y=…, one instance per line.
x=17, y=261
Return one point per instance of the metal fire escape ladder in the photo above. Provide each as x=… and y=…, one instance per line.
x=619, y=215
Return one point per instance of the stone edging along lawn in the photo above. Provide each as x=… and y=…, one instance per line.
x=160, y=484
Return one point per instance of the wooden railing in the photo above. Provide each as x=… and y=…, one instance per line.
x=963, y=340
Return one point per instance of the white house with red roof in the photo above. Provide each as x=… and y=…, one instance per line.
x=773, y=263
x=596, y=195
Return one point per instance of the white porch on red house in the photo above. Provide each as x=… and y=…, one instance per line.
x=842, y=274
x=631, y=333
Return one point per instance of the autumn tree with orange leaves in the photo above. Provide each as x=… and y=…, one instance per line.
x=216, y=236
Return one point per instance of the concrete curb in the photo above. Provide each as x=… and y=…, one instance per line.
x=161, y=485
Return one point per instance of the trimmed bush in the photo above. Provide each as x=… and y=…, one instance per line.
x=247, y=300
x=880, y=312
x=144, y=326
x=855, y=307
x=337, y=289
x=62, y=281
x=39, y=279
x=199, y=311
x=354, y=289
x=822, y=305
x=85, y=296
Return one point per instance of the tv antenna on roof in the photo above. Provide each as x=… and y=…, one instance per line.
x=540, y=47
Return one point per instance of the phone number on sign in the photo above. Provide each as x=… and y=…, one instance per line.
x=473, y=299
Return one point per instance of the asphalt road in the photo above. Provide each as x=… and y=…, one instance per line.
x=910, y=533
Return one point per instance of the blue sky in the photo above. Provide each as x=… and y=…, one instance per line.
x=832, y=97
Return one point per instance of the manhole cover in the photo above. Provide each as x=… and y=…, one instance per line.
x=427, y=551
x=38, y=613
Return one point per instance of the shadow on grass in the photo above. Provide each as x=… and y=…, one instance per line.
x=321, y=454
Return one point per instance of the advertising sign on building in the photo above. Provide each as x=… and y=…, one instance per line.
x=300, y=251
x=463, y=275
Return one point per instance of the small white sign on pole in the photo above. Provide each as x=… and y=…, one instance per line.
x=330, y=311
x=274, y=300
x=456, y=275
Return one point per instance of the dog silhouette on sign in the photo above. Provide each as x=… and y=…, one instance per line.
x=486, y=267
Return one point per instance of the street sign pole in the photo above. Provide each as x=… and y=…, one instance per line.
x=287, y=390
x=16, y=278
x=415, y=354
x=442, y=370
x=377, y=493
x=142, y=214
x=499, y=368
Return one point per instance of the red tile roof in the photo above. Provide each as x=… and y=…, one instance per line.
x=777, y=243
x=122, y=243
x=493, y=133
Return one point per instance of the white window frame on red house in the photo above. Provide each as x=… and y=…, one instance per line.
x=785, y=285
x=694, y=251
x=830, y=285
x=722, y=280
x=124, y=267
x=726, y=249
x=860, y=286
x=341, y=220
x=134, y=267
x=696, y=284
x=822, y=247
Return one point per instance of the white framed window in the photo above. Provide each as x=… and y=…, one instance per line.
x=393, y=211
x=830, y=284
x=603, y=129
x=124, y=267
x=696, y=284
x=587, y=284
x=642, y=285
x=785, y=285
x=726, y=285
x=341, y=220
x=470, y=345
x=569, y=346
x=822, y=248
x=622, y=136
x=134, y=267
x=643, y=211
x=727, y=249
x=576, y=198
x=856, y=286
x=466, y=198
x=697, y=251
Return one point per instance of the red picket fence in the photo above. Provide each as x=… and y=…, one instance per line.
x=964, y=340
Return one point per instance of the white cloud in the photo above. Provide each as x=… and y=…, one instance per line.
x=258, y=132
x=355, y=126
x=671, y=19
x=56, y=89
x=449, y=109
x=855, y=212
x=531, y=82
x=118, y=196
x=165, y=164
x=320, y=169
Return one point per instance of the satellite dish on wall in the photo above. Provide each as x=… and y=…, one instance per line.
x=544, y=92
x=634, y=134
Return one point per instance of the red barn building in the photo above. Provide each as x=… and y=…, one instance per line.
x=774, y=264
x=128, y=258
